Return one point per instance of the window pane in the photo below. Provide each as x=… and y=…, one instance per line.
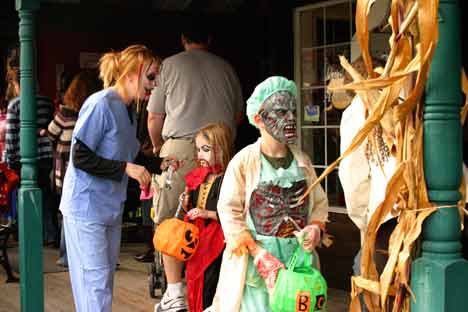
x=313, y=143
x=333, y=144
x=334, y=190
x=337, y=24
x=313, y=107
x=334, y=114
x=318, y=172
x=332, y=58
x=312, y=68
x=353, y=17
x=336, y=72
x=312, y=28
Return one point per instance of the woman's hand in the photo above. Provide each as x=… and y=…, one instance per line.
x=138, y=173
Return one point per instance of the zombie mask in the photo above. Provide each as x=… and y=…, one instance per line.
x=278, y=113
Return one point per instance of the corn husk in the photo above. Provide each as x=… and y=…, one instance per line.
x=412, y=45
x=464, y=109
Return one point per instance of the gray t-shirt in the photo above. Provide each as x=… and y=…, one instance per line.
x=195, y=88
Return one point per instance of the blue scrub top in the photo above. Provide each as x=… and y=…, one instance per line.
x=105, y=127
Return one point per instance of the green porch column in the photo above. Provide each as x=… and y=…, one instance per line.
x=440, y=276
x=29, y=197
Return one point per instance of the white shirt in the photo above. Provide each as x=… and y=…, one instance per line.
x=364, y=182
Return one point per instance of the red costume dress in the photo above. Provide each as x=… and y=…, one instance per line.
x=202, y=269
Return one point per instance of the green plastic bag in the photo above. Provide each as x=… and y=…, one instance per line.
x=299, y=289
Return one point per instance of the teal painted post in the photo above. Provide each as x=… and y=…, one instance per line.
x=29, y=197
x=440, y=276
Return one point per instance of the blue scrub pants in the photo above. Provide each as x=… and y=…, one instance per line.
x=92, y=251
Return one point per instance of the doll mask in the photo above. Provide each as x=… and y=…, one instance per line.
x=278, y=113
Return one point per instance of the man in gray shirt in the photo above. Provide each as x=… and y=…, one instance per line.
x=195, y=88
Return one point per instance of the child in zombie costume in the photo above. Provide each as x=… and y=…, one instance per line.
x=214, y=150
x=259, y=205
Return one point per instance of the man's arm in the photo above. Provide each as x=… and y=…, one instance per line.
x=155, y=125
x=239, y=101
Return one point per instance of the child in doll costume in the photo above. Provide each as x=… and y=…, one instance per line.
x=214, y=150
x=259, y=207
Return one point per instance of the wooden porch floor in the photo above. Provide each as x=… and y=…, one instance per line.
x=130, y=291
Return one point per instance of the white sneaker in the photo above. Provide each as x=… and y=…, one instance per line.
x=171, y=304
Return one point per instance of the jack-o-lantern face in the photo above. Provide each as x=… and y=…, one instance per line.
x=191, y=244
x=176, y=238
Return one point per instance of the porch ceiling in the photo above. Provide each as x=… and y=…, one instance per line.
x=203, y=6
x=221, y=6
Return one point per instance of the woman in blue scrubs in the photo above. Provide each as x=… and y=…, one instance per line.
x=103, y=147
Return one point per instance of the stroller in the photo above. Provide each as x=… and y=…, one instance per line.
x=156, y=275
x=157, y=278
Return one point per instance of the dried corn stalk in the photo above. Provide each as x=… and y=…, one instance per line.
x=412, y=44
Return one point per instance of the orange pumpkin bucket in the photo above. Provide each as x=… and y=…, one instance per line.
x=176, y=238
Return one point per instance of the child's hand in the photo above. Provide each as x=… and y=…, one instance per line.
x=244, y=244
x=182, y=197
x=267, y=267
x=310, y=236
x=197, y=213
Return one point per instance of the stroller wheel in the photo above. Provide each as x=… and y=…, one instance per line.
x=160, y=277
x=152, y=281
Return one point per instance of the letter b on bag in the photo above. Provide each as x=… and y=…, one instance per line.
x=303, y=301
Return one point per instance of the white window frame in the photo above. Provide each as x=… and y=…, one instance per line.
x=298, y=75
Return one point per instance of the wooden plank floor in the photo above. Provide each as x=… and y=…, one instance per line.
x=130, y=291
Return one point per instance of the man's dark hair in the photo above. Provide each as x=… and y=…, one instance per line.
x=196, y=30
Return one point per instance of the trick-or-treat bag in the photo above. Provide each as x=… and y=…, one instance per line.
x=299, y=288
x=176, y=238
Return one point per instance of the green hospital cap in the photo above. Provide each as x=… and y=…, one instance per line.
x=264, y=90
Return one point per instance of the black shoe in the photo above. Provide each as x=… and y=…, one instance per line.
x=146, y=257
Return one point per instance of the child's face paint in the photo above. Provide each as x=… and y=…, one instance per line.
x=205, y=151
x=278, y=113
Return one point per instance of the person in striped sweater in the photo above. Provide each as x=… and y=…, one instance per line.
x=60, y=132
x=45, y=112
x=61, y=128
